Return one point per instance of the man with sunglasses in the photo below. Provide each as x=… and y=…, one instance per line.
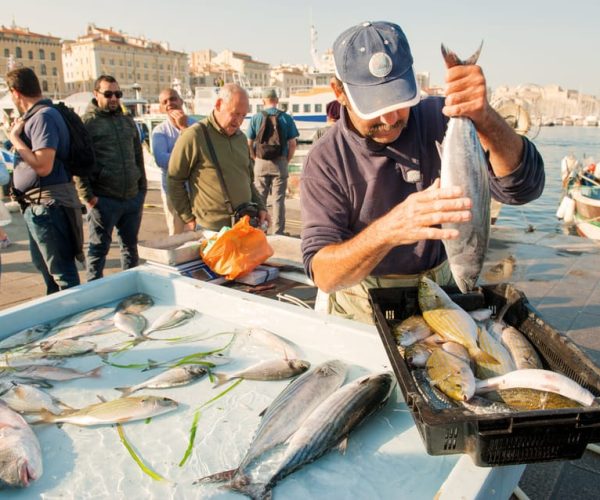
x=114, y=193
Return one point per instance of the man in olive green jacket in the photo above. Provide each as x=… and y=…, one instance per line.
x=204, y=205
x=114, y=193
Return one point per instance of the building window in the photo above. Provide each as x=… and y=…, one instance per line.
x=42, y=54
x=54, y=72
x=18, y=53
x=44, y=86
x=30, y=54
x=43, y=69
x=6, y=53
x=295, y=108
x=307, y=108
x=318, y=108
x=52, y=56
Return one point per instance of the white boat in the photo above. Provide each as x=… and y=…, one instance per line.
x=587, y=210
x=306, y=106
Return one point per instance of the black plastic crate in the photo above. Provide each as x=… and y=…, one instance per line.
x=518, y=437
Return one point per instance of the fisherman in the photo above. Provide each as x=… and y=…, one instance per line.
x=271, y=172
x=164, y=137
x=115, y=192
x=371, y=200
x=198, y=164
x=42, y=184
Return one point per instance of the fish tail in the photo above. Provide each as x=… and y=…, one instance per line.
x=95, y=373
x=218, y=477
x=480, y=356
x=222, y=378
x=125, y=391
x=453, y=60
x=256, y=491
x=46, y=417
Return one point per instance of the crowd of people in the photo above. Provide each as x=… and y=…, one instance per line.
x=372, y=206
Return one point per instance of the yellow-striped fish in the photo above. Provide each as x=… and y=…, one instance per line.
x=451, y=375
x=489, y=344
x=449, y=320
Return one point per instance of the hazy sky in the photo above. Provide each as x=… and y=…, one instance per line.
x=525, y=41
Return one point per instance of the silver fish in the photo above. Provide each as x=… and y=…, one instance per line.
x=54, y=373
x=88, y=328
x=25, y=398
x=432, y=395
x=173, y=377
x=287, y=412
x=84, y=317
x=20, y=452
x=522, y=351
x=25, y=337
x=115, y=411
x=273, y=369
x=464, y=164
x=171, y=319
x=411, y=330
x=326, y=427
x=131, y=323
x=66, y=347
x=540, y=380
x=418, y=354
x=135, y=303
x=271, y=340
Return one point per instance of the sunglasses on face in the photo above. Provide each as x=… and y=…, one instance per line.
x=109, y=93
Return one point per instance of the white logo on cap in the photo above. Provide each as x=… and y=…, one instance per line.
x=380, y=64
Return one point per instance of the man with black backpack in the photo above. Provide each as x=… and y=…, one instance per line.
x=42, y=183
x=272, y=140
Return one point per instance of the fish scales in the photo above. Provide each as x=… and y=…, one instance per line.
x=464, y=164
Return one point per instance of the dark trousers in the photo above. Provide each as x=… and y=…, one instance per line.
x=52, y=246
x=126, y=216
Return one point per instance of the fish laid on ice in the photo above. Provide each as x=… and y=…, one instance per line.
x=451, y=375
x=273, y=369
x=449, y=320
x=271, y=340
x=540, y=380
x=171, y=319
x=131, y=323
x=327, y=427
x=66, y=347
x=522, y=351
x=84, y=317
x=114, y=412
x=25, y=398
x=135, y=303
x=97, y=326
x=464, y=164
x=411, y=330
x=173, y=377
x=287, y=412
x=20, y=452
x=489, y=344
x=54, y=373
x=24, y=337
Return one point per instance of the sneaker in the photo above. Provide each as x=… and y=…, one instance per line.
x=5, y=243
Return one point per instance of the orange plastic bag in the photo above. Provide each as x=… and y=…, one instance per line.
x=238, y=251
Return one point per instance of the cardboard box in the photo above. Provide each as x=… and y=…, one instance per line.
x=172, y=249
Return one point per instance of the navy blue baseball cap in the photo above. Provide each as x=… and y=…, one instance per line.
x=373, y=61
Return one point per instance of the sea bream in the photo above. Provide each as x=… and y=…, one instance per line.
x=464, y=164
x=20, y=452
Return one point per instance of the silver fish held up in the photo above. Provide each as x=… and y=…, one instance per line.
x=20, y=452
x=464, y=164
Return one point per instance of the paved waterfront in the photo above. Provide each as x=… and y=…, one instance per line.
x=577, y=479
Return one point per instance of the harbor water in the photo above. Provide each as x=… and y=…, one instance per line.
x=554, y=143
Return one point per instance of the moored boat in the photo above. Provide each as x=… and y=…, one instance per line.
x=587, y=210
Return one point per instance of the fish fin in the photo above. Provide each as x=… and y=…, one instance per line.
x=452, y=59
x=46, y=417
x=125, y=391
x=480, y=356
x=101, y=398
x=222, y=378
x=343, y=446
x=219, y=477
x=95, y=373
x=244, y=484
x=262, y=413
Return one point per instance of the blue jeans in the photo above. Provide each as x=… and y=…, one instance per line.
x=126, y=216
x=52, y=246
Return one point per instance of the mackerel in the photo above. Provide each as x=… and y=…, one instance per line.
x=326, y=427
x=464, y=164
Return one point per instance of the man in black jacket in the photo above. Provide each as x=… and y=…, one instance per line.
x=114, y=193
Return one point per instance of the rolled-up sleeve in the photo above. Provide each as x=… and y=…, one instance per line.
x=523, y=185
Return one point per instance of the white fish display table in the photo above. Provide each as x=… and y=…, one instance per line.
x=385, y=457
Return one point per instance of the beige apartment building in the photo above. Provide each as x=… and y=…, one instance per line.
x=208, y=69
x=133, y=61
x=20, y=47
